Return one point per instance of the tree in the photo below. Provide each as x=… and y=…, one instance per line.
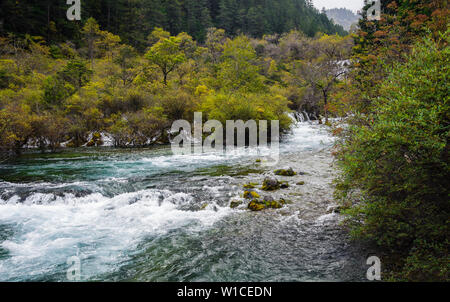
x=238, y=70
x=92, y=33
x=215, y=41
x=15, y=128
x=167, y=55
x=76, y=73
x=324, y=70
x=126, y=58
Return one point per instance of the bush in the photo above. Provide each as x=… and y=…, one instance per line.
x=395, y=167
x=15, y=128
x=247, y=106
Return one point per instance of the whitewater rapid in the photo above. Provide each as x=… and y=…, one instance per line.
x=112, y=208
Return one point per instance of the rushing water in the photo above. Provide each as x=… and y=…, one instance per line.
x=147, y=215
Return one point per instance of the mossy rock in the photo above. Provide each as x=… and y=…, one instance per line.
x=235, y=203
x=256, y=206
x=285, y=172
x=267, y=203
x=250, y=185
x=96, y=136
x=271, y=184
x=273, y=204
x=203, y=206
x=251, y=195
x=258, y=161
x=284, y=184
x=285, y=201
x=95, y=141
x=301, y=183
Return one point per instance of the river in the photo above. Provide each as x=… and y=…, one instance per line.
x=148, y=215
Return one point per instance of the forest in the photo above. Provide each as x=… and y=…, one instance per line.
x=131, y=68
x=134, y=20
x=60, y=94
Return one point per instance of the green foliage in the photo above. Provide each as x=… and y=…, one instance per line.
x=15, y=127
x=395, y=166
x=134, y=20
x=238, y=70
x=56, y=90
x=167, y=55
x=76, y=73
x=247, y=106
x=135, y=97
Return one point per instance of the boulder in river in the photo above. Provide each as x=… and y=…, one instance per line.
x=235, y=203
x=256, y=206
x=285, y=172
x=270, y=184
x=251, y=195
x=284, y=184
x=267, y=203
x=250, y=185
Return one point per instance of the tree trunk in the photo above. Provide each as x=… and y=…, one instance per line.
x=325, y=101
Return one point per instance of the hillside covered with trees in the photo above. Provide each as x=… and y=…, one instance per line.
x=134, y=20
x=59, y=93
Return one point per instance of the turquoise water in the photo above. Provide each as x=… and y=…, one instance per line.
x=148, y=215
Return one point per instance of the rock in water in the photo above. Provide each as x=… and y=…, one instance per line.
x=251, y=195
x=287, y=172
x=270, y=184
x=256, y=206
x=235, y=203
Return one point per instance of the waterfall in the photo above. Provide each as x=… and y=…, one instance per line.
x=307, y=116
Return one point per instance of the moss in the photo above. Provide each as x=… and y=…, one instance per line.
x=204, y=206
x=285, y=201
x=256, y=206
x=250, y=185
x=251, y=195
x=283, y=172
x=273, y=204
x=284, y=185
x=71, y=144
x=95, y=141
x=258, y=161
x=96, y=136
x=233, y=171
x=300, y=183
x=270, y=185
x=235, y=203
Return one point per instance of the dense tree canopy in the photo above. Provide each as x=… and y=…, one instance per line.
x=134, y=20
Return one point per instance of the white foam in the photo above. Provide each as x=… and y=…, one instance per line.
x=50, y=229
